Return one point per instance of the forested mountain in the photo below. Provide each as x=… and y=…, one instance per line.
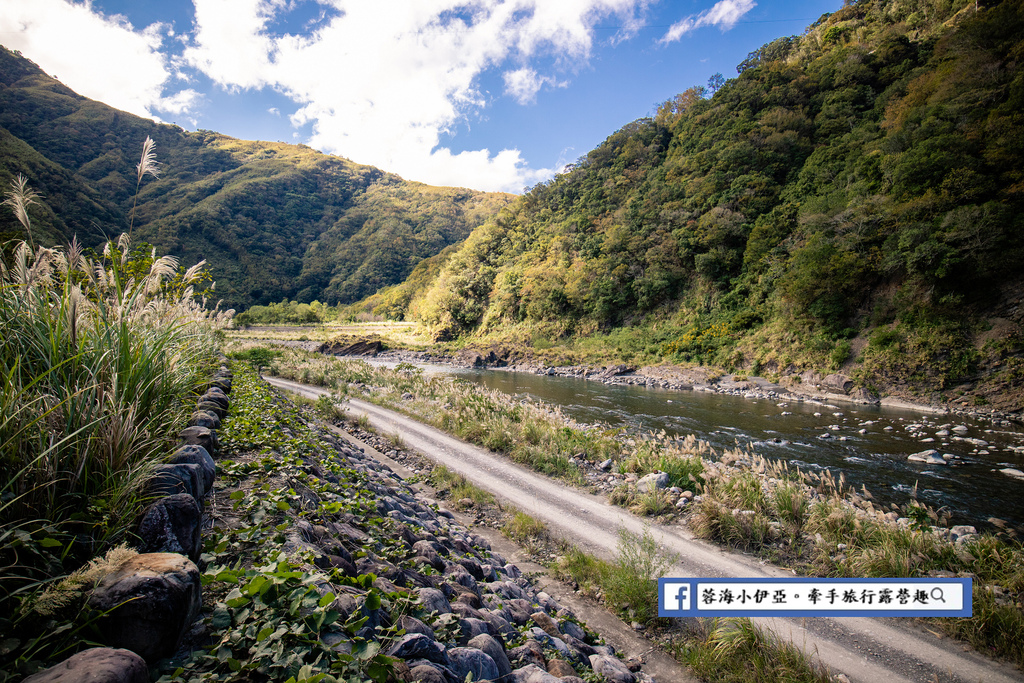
x=852, y=199
x=274, y=220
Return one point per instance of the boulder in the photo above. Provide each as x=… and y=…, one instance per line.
x=201, y=436
x=96, y=665
x=549, y=625
x=652, y=481
x=204, y=418
x=425, y=673
x=172, y=525
x=560, y=668
x=197, y=455
x=1012, y=472
x=212, y=406
x=493, y=649
x=533, y=674
x=530, y=652
x=149, y=602
x=466, y=661
x=613, y=670
x=433, y=600
x=168, y=480
x=359, y=348
x=419, y=646
x=414, y=625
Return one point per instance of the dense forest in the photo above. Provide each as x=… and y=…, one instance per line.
x=852, y=199
x=274, y=220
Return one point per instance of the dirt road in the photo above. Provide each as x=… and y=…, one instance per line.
x=868, y=650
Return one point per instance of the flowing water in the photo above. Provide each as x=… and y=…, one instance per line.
x=869, y=444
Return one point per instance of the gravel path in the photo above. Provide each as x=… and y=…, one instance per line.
x=864, y=649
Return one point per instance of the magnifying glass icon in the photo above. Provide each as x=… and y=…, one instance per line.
x=938, y=595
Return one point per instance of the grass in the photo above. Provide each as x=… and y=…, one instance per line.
x=525, y=530
x=733, y=650
x=530, y=435
x=456, y=488
x=102, y=359
x=730, y=649
x=820, y=527
x=791, y=518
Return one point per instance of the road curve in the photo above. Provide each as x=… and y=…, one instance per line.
x=865, y=649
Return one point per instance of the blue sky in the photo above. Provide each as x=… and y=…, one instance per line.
x=488, y=94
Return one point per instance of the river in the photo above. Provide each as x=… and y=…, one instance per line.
x=870, y=444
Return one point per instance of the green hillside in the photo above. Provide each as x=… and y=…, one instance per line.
x=274, y=220
x=851, y=200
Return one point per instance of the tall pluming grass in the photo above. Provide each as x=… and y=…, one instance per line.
x=100, y=359
x=18, y=199
x=148, y=165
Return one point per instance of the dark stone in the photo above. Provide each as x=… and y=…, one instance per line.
x=471, y=628
x=473, y=567
x=434, y=600
x=546, y=623
x=360, y=348
x=148, y=604
x=204, y=418
x=213, y=407
x=216, y=396
x=222, y=383
x=96, y=665
x=419, y=646
x=493, y=649
x=500, y=625
x=530, y=652
x=197, y=455
x=414, y=625
x=425, y=673
x=168, y=480
x=559, y=668
x=343, y=564
x=519, y=610
x=172, y=525
x=201, y=436
x=611, y=668
x=466, y=661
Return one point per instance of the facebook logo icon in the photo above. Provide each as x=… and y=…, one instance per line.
x=675, y=597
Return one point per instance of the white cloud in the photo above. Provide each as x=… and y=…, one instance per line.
x=524, y=84
x=104, y=58
x=724, y=14
x=274, y=111
x=382, y=82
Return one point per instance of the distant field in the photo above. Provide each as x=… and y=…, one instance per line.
x=398, y=333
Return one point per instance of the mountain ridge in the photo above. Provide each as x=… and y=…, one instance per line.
x=851, y=202
x=274, y=220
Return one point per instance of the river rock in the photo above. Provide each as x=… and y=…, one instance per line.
x=204, y=418
x=493, y=649
x=197, y=455
x=611, y=668
x=533, y=674
x=201, y=436
x=434, y=600
x=149, y=603
x=1013, y=472
x=172, y=525
x=96, y=665
x=560, y=668
x=184, y=477
x=217, y=409
x=418, y=646
x=653, y=481
x=545, y=622
x=466, y=661
x=928, y=457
